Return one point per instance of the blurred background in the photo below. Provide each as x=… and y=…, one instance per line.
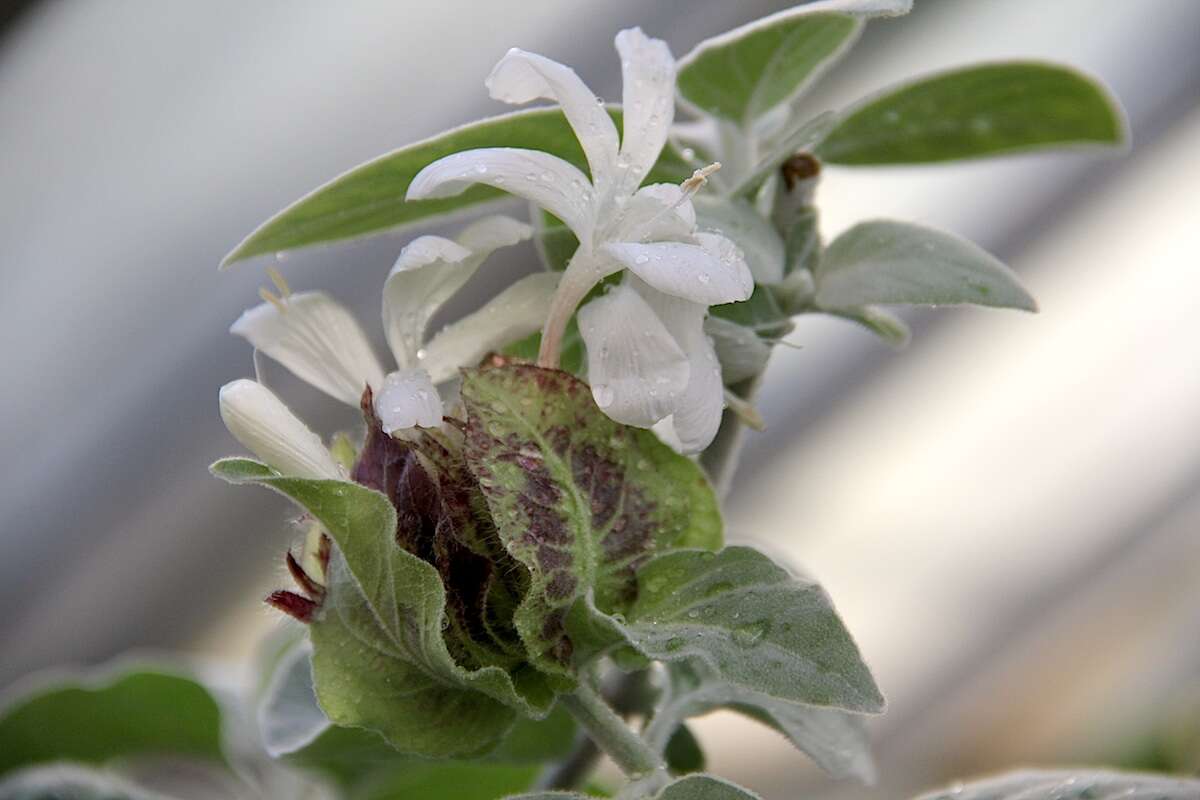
x=1007, y=514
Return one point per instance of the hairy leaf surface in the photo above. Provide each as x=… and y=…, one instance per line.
x=882, y=262
x=1072, y=785
x=380, y=660
x=580, y=500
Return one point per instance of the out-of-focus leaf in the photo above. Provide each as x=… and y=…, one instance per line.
x=70, y=782
x=143, y=711
x=1067, y=784
x=987, y=110
x=884, y=324
x=683, y=753
x=737, y=220
x=883, y=262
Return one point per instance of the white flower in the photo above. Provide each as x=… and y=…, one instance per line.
x=266, y=427
x=319, y=340
x=648, y=357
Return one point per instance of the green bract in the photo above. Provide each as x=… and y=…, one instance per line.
x=578, y=499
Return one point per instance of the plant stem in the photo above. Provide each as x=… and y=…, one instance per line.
x=610, y=732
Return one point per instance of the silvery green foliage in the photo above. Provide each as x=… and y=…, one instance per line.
x=504, y=534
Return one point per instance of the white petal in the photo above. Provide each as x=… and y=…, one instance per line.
x=697, y=411
x=521, y=77
x=708, y=273
x=408, y=400
x=316, y=338
x=547, y=180
x=659, y=212
x=648, y=103
x=429, y=271
x=636, y=368
x=517, y=311
x=266, y=427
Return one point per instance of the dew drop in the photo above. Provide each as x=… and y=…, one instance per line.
x=481, y=169
x=603, y=394
x=704, y=278
x=687, y=153
x=752, y=634
x=641, y=259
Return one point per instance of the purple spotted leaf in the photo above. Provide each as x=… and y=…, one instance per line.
x=580, y=500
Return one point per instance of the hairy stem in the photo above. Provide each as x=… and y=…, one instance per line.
x=611, y=733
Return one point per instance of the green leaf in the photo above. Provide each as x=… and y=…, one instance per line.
x=737, y=220
x=683, y=753
x=370, y=198
x=533, y=741
x=555, y=242
x=987, y=110
x=884, y=262
x=744, y=73
x=742, y=353
x=1072, y=785
x=884, y=324
x=705, y=787
x=836, y=740
x=551, y=795
x=450, y=781
x=580, y=500
x=762, y=314
x=754, y=625
x=379, y=657
x=294, y=728
x=143, y=711
x=70, y=782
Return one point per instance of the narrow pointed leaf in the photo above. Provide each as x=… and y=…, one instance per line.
x=884, y=262
x=683, y=753
x=370, y=198
x=580, y=500
x=744, y=73
x=380, y=660
x=97, y=718
x=1072, y=785
x=750, y=622
x=988, y=110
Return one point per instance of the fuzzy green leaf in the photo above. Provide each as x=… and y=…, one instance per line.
x=884, y=324
x=452, y=780
x=836, y=740
x=737, y=220
x=750, y=622
x=884, y=262
x=97, y=718
x=742, y=353
x=380, y=660
x=370, y=197
x=580, y=500
x=705, y=787
x=744, y=73
x=987, y=110
x=1072, y=785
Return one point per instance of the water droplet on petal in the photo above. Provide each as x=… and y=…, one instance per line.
x=641, y=259
x=704, y=277
x=687, y=153
x=481, y=169
x=603, y=395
